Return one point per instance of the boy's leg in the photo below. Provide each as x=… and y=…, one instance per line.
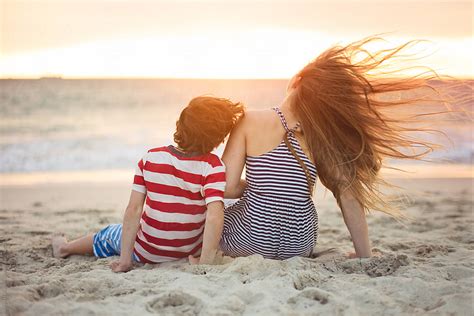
x=105, y=243
x=81, y=246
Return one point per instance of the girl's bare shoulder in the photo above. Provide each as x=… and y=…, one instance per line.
x=258, y=116
x=256, y=122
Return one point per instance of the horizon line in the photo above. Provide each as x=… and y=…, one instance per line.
x=53, y=77
x=59, y=77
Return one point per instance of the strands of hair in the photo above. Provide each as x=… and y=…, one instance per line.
x=205, y=123
x=356, y=110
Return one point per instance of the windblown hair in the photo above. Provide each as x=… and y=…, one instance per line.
x=347, y=123
x=205, y=123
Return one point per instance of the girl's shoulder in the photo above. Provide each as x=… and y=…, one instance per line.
x=257, y=118
x=255, y=114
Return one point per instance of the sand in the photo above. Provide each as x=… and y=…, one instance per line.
x=423, y=266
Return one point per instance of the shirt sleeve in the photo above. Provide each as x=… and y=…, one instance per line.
x=138, y=179
x=214, y=183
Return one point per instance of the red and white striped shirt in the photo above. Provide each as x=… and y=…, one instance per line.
x=178, y=187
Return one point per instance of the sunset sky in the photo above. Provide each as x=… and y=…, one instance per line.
x=220, y=39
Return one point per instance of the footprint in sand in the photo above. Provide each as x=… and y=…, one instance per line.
x=429, y=251
x=304, y=279
x=377, y=266
x=397, y=246
x=310, y=296
x=175, y=303
x=51, y=289
x=14, y=279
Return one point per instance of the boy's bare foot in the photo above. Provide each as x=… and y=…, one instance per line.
x=58, y=242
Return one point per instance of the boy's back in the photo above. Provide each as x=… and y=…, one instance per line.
x=178, y=186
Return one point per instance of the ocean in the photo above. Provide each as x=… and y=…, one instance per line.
x=104, y=124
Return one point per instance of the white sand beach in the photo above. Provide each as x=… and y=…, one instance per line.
x=422, y=266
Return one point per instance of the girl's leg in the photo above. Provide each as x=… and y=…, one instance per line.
x=82, y=246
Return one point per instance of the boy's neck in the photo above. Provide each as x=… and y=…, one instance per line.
x=182, y=152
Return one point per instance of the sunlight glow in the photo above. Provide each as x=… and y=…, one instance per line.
x=264, y=53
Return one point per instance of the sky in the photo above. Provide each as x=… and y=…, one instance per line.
x=220, y=39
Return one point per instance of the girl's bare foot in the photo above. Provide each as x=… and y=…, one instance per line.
x=59, y=250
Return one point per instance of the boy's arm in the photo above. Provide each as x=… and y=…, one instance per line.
x=212, y=233
x=131, y=223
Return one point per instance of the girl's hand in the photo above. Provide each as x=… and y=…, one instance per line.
x=193, y=260
x=119, y=266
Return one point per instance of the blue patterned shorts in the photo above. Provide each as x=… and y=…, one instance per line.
x=107, y=242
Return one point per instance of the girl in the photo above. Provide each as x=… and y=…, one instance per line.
x=331, y=125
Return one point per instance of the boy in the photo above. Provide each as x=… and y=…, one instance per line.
x=183, y=190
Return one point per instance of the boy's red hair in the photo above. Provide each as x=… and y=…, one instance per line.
x=205, y=123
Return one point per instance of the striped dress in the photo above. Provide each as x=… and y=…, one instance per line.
x=275, y=217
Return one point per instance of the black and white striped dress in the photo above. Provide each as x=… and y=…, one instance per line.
x=275, y=217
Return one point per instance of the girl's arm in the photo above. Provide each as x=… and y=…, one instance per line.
x=131, y=223
x=234, y=160
x=354, y=217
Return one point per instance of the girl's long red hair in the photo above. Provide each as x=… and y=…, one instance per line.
x=344, y=100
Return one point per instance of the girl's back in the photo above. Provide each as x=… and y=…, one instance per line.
x=276, y=216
